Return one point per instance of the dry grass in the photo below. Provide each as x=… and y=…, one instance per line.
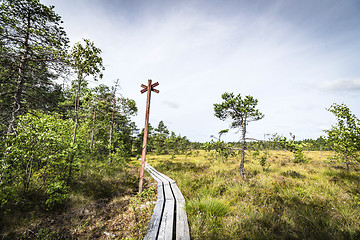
x=281, y=200
x=103, y=205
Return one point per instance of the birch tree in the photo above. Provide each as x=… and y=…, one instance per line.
x=86, y=61
x=345, y=135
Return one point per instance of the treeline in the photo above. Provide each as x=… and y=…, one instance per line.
x=162, y=141
x=319, y=144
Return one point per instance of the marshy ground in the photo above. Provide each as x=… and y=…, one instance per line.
x=278, y=200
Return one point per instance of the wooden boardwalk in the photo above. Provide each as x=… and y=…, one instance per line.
x=169, y=220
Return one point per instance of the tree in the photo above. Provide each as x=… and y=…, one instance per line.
x=241, y=111
x=345, y=135
x=103, y=110
x=86, y=61
x=32, y=42
x=291, y=145
x=160, y=136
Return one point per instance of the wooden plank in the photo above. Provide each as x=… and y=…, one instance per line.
x=177, y=194
x=166, y=177
x=167, y=221
x=160, y=175
x=153, y=174
x=155, y=221
x=182, y=226
x=163, y=175
x=160, y=192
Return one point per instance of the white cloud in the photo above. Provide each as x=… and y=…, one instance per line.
x=341, y=85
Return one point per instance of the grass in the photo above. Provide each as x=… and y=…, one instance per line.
x=103, y=204
x=279, y=199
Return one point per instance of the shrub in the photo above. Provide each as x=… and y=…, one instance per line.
x=58, y=193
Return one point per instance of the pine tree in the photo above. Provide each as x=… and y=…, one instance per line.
x=32, y=42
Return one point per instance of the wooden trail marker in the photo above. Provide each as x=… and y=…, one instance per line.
x=149, y=88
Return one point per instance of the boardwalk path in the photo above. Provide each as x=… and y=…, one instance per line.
x=169, y=220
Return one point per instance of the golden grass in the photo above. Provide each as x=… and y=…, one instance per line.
x=281, y=200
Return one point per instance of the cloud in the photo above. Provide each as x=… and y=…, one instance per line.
x=171, y=104
x=280, y=52
x=341, y=85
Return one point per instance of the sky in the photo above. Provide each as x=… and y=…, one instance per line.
x=296, y=57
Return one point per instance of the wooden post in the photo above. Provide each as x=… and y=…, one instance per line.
x=149, y=88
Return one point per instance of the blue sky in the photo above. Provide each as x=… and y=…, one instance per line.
x=295, y=57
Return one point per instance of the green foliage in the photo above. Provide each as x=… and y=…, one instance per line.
x=86, y=60
x=33, y=49
x=262, y=161
x=58, y=193
x=224, y=150
x=161, y=142
x=345, y=135
x=148, y=193
x=36, y=157
x=292, y=146
x=241, y=111
x=42, y=166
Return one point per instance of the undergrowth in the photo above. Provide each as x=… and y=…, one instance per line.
x=103, y=203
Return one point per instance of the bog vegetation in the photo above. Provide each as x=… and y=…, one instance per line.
x=69, y=153
x=280, y=199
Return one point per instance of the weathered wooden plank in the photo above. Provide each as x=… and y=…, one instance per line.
x=153, y=174
x=153, y=171
x=166, y=178
x=177, y=194
x=167, y=221
x=154, y=225
x=168, y=193
x=160, y=192
x=182, y=226
x=156, y=218
x=170, y=207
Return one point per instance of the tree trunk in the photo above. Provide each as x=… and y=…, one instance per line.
x=77, y=103
x=20, y=80
x=242, y=172
x=111, y=130
x=112, y=122
x=93, y=129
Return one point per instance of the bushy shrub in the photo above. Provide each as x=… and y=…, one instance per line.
x=36, y=159
x=58, y=193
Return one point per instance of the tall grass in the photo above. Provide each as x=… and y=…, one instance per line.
x=284, y=200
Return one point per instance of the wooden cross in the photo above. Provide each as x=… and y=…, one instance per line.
x=149, y=88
